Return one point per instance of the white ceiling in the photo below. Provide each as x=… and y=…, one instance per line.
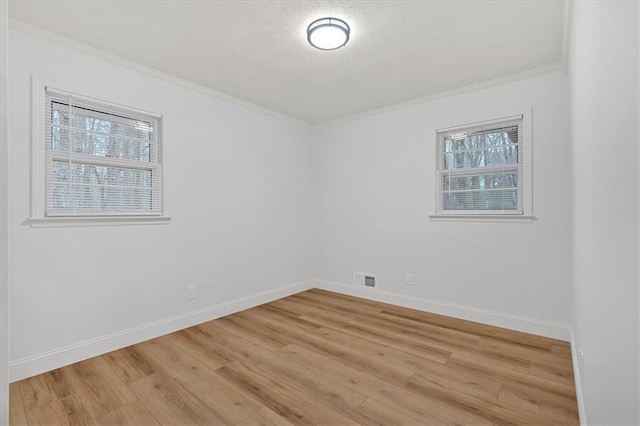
x=257, y=50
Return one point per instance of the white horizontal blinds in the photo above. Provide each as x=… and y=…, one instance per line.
x=481, y=168
x=100, y=159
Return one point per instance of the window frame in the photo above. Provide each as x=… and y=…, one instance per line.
x=525, y=154
x=41, y=162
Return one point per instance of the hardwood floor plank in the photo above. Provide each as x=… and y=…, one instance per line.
x=375, y=412
x=293, y=374
x=561, y=410
x=265, y=417
x=262, y=332
x=494, y=399
x=467, y=384
x=132, y=414
x=334, y=396
x=43, y=389
x=480, y=330
x=372, y=304
x=385, y=353
x=521, y=352
x=339, y=302
x=199, y=345
x=312, y=305
x=515, y=378
x=17, y=413
x=275, y=313
x=314, y=358
x=235, y=324
x=443, y=340
x=393, y=395
x=557, y=373
x=490, y=361
x=488, y=408
x=384, y=338
x=296, y=408
x=561, y=348
x=60, y=412
x=128, y=364
x=97, y=386
x=228, y=404
x=170, y=403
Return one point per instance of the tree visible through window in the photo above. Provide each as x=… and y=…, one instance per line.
x=480, y=169
x=101, y=160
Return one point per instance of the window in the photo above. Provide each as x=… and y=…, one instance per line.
x=100, y=160
x=481, y=169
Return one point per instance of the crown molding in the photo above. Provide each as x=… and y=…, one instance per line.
x=23, y=27
x=547, y=69
x=20, y=26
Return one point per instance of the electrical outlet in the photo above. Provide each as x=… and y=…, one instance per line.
x=408, y=278
x=191, y=291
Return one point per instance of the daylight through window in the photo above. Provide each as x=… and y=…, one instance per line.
x=480, y=168
x=100, y=159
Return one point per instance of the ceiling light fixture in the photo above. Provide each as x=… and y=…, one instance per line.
x=328, y=33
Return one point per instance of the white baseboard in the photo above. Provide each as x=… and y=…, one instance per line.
x=498, y=319
x=577, y=378
x=47, y=361
x=50, y=360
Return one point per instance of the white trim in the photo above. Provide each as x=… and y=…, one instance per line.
x=116, y=220
x=39, y=217
x=125, y=110
x=525, y=190
x=638, y=165
x=516, y=218
x=16, y=25
x=577, y=374
x=4, y=259
x=37, y=148
x=480, y=125
x=499, y=81
x=40, y=363
x=484, y=316
x=47, y=361
x=567, y=11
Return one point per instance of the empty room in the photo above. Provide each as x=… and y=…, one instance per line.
x=319, y=212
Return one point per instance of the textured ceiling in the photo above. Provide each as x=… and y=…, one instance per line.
x=257, y=50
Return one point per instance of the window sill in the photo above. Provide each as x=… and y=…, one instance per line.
x=481, y=218
x=64, y=221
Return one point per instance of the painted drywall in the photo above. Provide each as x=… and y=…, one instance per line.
x=375, y=178
x=604, y=76
x=236, y=183
x=4, y=303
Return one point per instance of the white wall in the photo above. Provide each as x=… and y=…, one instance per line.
x=604, y=76
x=376, y=186
x=4, y=305
x=236, y=184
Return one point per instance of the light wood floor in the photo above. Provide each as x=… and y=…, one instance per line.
x=314, y=358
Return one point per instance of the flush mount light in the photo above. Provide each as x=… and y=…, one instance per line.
x=328, y=33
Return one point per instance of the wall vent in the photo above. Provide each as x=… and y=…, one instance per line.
x=364, y=279
x=369, y=281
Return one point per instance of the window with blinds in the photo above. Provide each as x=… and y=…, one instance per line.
x=100, y=159
x=481, y=168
